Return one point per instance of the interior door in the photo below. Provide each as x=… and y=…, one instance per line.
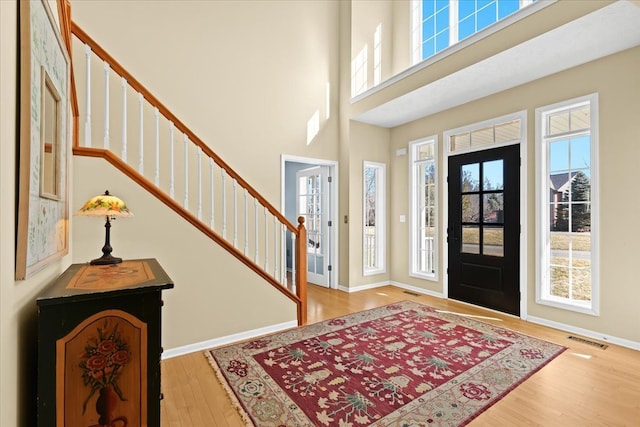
x=484, y=228
x=312, y=202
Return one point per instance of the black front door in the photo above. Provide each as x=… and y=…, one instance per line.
x=484, y=228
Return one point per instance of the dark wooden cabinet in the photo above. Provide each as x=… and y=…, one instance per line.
x=99, y=346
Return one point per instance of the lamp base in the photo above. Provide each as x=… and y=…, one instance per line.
x=106, y=260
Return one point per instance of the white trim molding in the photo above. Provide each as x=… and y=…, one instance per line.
x=634, y=345
x=522, y=117
x=229, y=339
x=334, y=246
x=416, y=261
x=379, y=236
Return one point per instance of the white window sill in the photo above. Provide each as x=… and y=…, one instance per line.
x=584, y=307
x=424, y=276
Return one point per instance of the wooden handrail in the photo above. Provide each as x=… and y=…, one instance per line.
x=164, y=198
x=139, y=87
x=64, y=15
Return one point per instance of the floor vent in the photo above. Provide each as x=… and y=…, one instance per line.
x=589, y=342
x=413, y=294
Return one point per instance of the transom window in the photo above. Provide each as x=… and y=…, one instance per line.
x=481, y=137
x=438, y=24
x=424, y=208
x=566, y=153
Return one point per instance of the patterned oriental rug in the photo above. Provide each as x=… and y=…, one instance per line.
x=403, y=365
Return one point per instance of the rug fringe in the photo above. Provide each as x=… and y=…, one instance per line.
x=223, y=382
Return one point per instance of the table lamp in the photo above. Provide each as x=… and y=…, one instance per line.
x=110, y=207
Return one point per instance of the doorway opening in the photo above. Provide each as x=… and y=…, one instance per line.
x=484, y=214
x=309, y=189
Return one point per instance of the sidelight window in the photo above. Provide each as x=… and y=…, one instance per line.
x=374, y=218
x=424, y=208
x=567, y=204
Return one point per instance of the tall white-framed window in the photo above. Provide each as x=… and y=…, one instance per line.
x=374, y=218
x=438, y=24
x=567, y=205
x=424, y=208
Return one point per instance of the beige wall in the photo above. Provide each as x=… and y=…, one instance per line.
x=214, y=294
x=244, y=76
x=401, y=46
x=367, y=143
x=614, y=78
x=365, y=17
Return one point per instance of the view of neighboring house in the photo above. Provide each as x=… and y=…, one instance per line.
x=559, y=186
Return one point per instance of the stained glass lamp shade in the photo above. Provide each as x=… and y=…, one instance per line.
x=110, y=207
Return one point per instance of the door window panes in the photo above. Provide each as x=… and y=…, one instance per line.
x=493, y=241
x=493, y=175
x=470, y=239
x=482, y=208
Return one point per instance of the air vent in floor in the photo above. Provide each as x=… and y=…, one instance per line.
x=589, y=342
x=413, y=294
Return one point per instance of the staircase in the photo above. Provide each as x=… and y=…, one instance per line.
x=119, y=120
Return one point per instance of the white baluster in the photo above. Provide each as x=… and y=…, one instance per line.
x=246, y=223
x=224, y=203
x=87, y=98
x=156, y=116
x=171, y=160
x=266, y=242
x=255, y=221
x=211, y=195
x=275, y=247
x=283, y=254
x=235, y=213
x=141, y=134
x=106, y=106
x=199, y=173
x=293, y=260
x=124, y=119
x=186, y=171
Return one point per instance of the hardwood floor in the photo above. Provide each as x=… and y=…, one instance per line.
x=584, y=386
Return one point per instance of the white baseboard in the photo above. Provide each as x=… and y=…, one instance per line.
x=216, y=342
x=585, y=332
x=390, y=282
x=363, y=287
x=417, y=289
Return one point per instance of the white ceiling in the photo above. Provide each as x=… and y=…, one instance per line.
x=606, y=31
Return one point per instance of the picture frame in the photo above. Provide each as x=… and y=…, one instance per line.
x=45, y=141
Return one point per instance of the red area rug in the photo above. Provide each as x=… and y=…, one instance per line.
x=403, y=365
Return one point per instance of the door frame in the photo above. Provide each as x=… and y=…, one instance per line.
x=333, y=202
x=523, y=274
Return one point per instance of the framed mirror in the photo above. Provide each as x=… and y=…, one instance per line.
x=50, y=127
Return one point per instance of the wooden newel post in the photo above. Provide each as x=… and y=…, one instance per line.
x=301, y=271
